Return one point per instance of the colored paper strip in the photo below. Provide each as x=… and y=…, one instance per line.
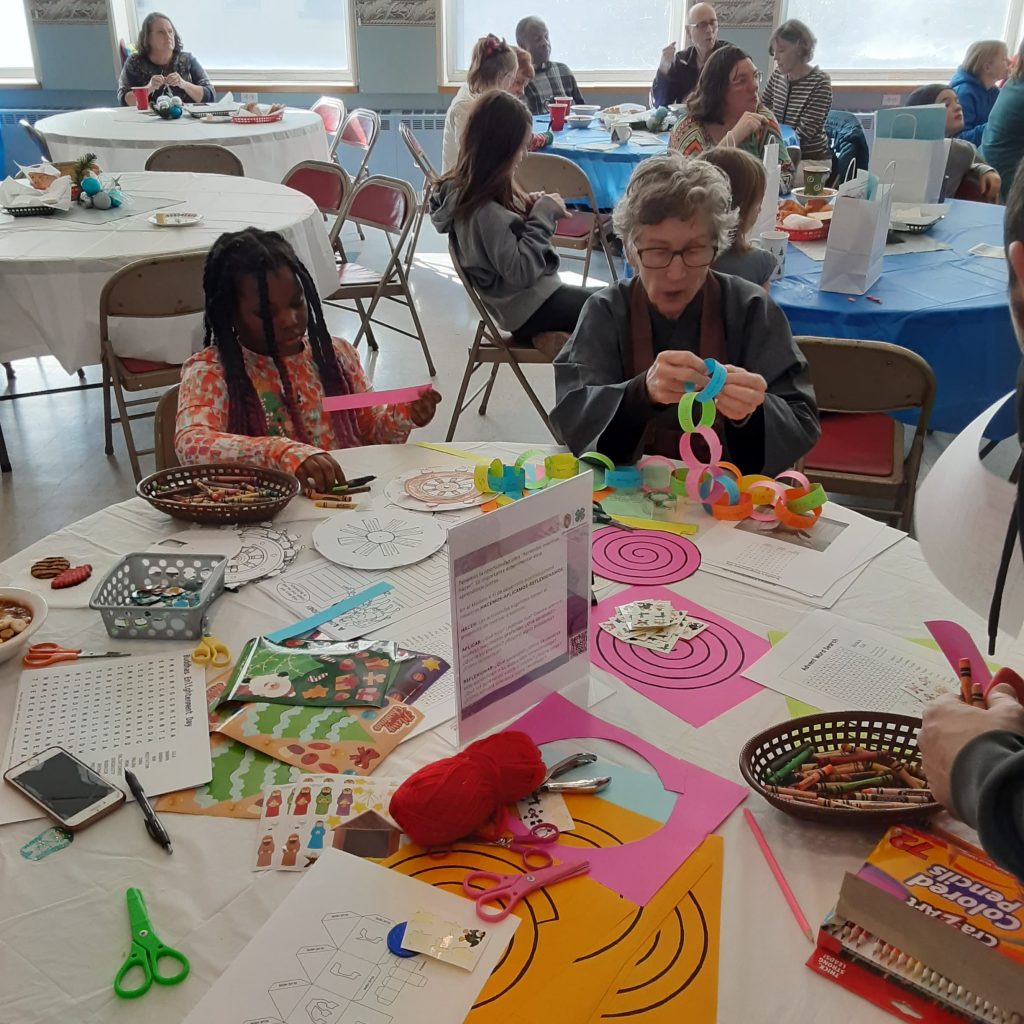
x=365, y=399
x=447, y=449
x=297, y=628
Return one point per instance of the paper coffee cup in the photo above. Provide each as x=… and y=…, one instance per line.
x=776, y=242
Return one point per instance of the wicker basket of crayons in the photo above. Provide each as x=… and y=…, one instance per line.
x=843, y=768
x=219, y=494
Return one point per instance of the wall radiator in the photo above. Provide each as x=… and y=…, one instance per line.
x=390, y=155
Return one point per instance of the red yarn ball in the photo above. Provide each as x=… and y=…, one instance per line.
x=455, y=796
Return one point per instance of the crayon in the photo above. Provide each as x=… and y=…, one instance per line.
x=782, y=759
x=788, y=768
x=965, y=680
x=335, y=504
x=817, y=776
x=977, y=696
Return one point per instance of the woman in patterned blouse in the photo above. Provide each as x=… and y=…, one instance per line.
x=161, y=65
x=724, y=110
x=255, y=393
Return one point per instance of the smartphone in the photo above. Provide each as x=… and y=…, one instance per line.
x=67, y=789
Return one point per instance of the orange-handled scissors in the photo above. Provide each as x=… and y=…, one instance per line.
x=44, y=655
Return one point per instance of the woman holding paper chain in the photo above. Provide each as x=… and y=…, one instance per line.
x=255, y=393
x=639, y=344
x=160, y=64
x=964, y=166
x=724, y=110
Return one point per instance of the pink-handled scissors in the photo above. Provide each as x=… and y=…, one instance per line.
x=531, y=845
x=44, y=655
x=496, y=901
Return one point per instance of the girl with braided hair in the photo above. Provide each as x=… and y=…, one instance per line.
x=255, y=393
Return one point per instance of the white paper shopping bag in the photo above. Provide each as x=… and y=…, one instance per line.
x=770, y=204
x=920, y=161
x=856, y=242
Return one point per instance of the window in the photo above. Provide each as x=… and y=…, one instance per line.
x=17, y=61
x=903, y=39
x=260, y=41
x=614, y=42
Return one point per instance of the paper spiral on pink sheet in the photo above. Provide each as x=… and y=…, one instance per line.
x=644, y=557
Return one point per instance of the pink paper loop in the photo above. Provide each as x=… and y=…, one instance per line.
x=367, y=399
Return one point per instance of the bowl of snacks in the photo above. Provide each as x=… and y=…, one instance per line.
x=22, y=612
x=826, y=195
x=807, y=222
x=579, y=120
x=586, y=108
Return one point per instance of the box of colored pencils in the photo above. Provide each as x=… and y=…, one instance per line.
x=848, y=767
x=930, y=930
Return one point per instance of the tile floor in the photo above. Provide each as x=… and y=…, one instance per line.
x=56, y=441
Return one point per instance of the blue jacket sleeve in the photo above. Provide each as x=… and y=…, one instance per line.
x=974, y=127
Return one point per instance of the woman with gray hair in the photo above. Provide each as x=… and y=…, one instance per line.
x=797, y=93
x=639, y=343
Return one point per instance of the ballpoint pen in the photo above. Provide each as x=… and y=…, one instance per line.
x=153, y=824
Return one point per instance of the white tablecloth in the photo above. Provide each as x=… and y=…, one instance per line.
x=63, y=927
x=52, y=269
x=123, y=138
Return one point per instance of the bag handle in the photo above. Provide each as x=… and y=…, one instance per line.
x=896, y=120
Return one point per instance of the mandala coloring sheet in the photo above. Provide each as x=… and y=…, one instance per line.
x=377, y=539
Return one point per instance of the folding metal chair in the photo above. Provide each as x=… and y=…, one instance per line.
x=388, y=205
x=198, y=158
x=164, y=424
x=360, y=131
x=163, y=286
x=329, y=186
x=430, y=178
x=860, y=452
x=36, y=137
x=332, y=113
x=493, y=346
x=545, y=172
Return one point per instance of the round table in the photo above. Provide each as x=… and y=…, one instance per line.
x=948, y=306
x=52, y=269
x=63, y=927
x=609, y=170
x=123, y=138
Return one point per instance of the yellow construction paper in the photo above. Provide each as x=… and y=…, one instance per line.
x=657, y=524
x=457, y=452
x=661, y=966
x=584, y=946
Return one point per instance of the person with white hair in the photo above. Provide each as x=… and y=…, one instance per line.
x=641, y=344
x=678, y=71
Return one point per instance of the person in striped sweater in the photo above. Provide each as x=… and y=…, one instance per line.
x=797, y=93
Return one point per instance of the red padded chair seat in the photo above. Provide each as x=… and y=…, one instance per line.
x=576, y=225
x=144, y=365
x=854, y=443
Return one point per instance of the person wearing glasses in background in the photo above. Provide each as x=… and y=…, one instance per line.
x=678, y=71
x=640, y=343
x=725, y=110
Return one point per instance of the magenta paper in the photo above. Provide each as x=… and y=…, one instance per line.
x=955, y=643
x=699, y=678
x=365, y=399
x=639, y=869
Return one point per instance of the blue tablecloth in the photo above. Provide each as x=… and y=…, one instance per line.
x=949, y=307
x=609, y=171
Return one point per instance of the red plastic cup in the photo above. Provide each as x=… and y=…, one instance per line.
x=557, y=111
x=141, y=94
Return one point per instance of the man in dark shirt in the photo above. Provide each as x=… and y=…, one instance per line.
x=974, y=757
x=551, y=79
x=678, y=72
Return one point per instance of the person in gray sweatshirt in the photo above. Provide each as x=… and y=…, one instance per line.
x=502, y=234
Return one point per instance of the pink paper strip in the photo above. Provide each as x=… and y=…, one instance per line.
x=955, y=643
x=639, y=869
x=365, y=399
x=699, y=678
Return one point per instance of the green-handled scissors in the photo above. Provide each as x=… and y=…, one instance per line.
x=146, y=953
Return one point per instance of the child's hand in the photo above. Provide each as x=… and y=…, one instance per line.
x=320, y=472
x=422, y=410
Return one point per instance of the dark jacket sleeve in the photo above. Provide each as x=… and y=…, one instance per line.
x=200, y=77
x=132, y=75
x=764, y=344
x=577, y=96
x=667, y=87
x=988, y=793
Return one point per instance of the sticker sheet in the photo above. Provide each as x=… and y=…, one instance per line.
x=342, y=812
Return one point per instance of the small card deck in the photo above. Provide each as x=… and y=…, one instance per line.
x=655, y=625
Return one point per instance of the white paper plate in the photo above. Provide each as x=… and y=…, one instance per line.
x=435, y=489
x=174, y=220
x=377, y=539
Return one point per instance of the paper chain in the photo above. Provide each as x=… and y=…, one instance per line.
x=717, y=486
x=722, y=490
